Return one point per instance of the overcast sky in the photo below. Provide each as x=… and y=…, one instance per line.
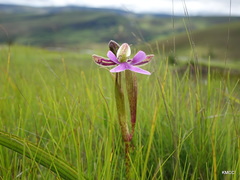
x=194, y=7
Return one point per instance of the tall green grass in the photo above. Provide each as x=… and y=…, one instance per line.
x=187, y=123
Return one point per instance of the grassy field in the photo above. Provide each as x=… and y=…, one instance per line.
x=57, y=104
x=187, y=123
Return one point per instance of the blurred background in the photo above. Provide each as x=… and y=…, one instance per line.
x=211, y=27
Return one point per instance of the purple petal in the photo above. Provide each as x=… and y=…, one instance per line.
x=145, y=61
x=139, y=70
x=121, y=67
x=102, y=61
x=140, y=56
x=112, y=56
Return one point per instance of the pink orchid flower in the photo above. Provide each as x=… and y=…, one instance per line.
x=121, y=59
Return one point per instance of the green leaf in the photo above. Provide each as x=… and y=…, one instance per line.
x=37, y=154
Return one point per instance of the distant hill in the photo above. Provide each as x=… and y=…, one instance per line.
x=83, y=26
x=16, y=9
x=217, y=42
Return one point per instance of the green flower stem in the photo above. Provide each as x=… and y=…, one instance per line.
x=37, y=154
x=119, y=95
x=131, y=85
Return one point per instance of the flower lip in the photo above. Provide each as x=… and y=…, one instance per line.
x=122, y=67
x=126, y=66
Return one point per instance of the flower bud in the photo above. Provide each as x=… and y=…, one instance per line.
x=123, y=52
x=113, y=46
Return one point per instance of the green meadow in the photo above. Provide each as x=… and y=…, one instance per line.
x=188, y=114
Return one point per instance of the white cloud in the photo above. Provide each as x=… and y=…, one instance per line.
x=161, y=6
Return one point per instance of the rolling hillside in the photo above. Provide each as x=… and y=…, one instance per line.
x=219, y=42
x=81, y=26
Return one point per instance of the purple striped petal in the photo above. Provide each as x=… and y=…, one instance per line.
x=102, y=61
x=139, y=70
x=112, y=56
x=140, y=56
x=145, y=61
